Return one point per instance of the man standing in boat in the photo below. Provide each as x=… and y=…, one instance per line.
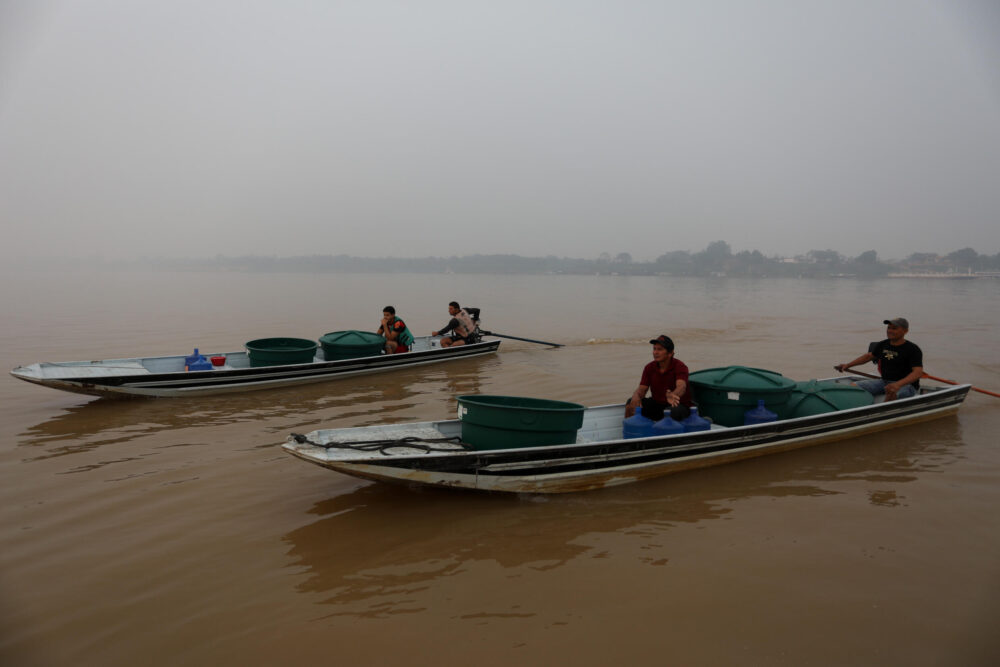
x=461, y=326
x=666, y=379
x=397, y=337
x=900, y=363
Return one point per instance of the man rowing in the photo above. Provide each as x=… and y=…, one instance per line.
x=900, y=363
x=460, y=325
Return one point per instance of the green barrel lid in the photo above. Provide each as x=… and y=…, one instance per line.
x=742, y=379
x=281, y=345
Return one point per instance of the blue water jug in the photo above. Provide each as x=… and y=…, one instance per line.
x=759, y=415
x=696, y=422
x=192, y=358
x=667, y=426
x=637, y=426
x=202, y=364
x=197, y=362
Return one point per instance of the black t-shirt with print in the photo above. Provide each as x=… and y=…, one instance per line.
x=896, y=361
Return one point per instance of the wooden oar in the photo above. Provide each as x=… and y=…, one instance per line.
x=526, y=340
x=925, y=375
x=981, y=391
x=852, y=372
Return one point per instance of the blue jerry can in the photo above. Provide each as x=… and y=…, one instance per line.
x=637, y=426
x=759, y=415
x=696, y=422
x=667, y=426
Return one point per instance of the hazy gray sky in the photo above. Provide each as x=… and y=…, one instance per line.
x=374, y=128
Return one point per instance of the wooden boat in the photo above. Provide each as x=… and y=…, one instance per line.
x=166, y=376
x=432, y=453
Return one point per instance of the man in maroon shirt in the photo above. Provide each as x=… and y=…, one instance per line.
x=666, y=380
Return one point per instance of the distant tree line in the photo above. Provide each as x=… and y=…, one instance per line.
x=717, y=259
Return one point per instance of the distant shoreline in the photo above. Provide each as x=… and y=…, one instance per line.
x=209, y=267
x=716, y=261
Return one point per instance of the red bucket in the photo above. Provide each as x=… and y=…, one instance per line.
x=218, y=361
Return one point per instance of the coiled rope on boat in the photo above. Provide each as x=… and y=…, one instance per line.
x=380, y=446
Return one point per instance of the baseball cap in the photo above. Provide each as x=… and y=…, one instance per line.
x=900, y=322
x=665, y=341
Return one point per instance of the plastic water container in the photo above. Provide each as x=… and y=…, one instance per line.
x=696, y=422
x=759, y=415
x=667, y=426
x=637, y=426
x=202, y=364
x=506, y=422
x=192, y=358
x=197, y=362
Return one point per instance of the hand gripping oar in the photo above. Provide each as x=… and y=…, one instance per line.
x=925, y=375
x=526, y=340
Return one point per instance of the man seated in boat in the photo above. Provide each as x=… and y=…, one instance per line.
x=665, y=378
x=461, y=326
x=397, y=337
x=900, y=363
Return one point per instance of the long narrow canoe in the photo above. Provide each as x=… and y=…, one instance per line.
x=166, y=377
x=432, y=453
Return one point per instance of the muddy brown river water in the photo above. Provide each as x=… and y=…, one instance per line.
x=176, y=531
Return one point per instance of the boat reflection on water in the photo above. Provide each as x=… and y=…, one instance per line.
x=411, y=395
x=376, y=547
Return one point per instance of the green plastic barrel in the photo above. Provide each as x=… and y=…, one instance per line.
x=725, y=394
x=505, y=422
x=281, y=351
x=351, y=344
x=818, y=398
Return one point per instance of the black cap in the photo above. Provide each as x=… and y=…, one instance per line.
x=664, y=340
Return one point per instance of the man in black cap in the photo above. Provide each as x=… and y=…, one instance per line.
x=900, y=363
x=666, y=379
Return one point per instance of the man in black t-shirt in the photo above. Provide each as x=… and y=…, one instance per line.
x=900, y=363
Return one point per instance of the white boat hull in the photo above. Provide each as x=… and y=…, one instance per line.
x=600, y=458
x=165, y=377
